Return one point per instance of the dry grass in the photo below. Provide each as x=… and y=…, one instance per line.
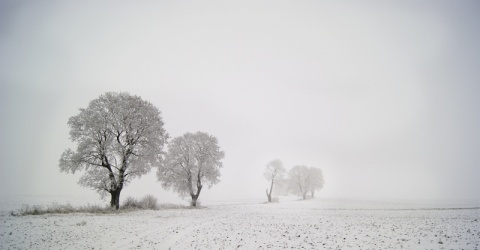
x=148, y=202
x=56, y=208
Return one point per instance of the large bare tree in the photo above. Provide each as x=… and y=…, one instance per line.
x=274, y=171
x=192, y=161
x=119, y=137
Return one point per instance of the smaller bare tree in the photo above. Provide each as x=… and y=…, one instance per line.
x=274, y=171
x=192, y=160
x=300, y=180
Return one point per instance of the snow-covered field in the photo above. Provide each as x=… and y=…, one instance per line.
x=311, y=224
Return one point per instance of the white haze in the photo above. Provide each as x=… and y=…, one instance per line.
x=382, y=96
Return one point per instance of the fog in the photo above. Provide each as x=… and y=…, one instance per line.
x=382, y=96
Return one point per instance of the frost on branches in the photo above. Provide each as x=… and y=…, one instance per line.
x=304, y=179
x=192, y=161
x=274, y=172
x=119, y=137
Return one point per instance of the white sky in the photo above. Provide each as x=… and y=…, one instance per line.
x=382, y=96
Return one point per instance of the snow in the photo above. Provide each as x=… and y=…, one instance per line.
x=312, y=224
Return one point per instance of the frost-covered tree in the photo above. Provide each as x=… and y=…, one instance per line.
x=192, y=161
x=316, y=180
x=119, y=137
x=299, y=178
x=304, y=179
x=274, y=172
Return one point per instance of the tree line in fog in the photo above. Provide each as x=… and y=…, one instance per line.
x=300, y=180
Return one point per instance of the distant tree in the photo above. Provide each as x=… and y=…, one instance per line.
x=316, y=180
x=119, y=137
x=299, y=178
x=280, y=187
x=192, y=160
x=274, y=172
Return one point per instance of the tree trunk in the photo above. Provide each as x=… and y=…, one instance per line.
x=195, y=197
x=194, y=201
x=199, y=188
x=115, y=188
x=304, y=196
x=115, y=199
x=313, y=194
x=269, y=195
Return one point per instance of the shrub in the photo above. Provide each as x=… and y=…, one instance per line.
x=28, y=210
x=131, y=203
x=34, y=210
x=149, y=202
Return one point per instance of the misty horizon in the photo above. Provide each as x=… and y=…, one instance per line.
x=383, y=97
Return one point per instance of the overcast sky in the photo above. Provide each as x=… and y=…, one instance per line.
x=383, y=96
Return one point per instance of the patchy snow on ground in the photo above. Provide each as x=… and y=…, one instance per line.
x=310, y=224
